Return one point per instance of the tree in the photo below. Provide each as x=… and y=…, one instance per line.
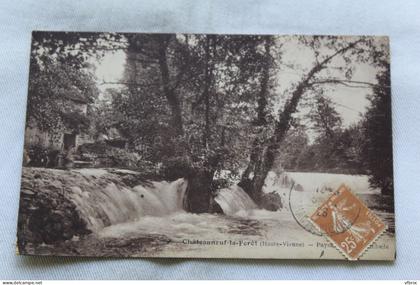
x=50, y=89
x=201, y=86
x=293, y=148
x=356, y=49
x=203, y=103
x=378, y=135
x=328, y=146
x=325, y=118
x=261, y=121
x=59, y=71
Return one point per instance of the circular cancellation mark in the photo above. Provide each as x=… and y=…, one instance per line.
x=302, y=206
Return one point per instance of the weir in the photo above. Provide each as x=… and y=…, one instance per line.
x=103, y=205
x=116, y=204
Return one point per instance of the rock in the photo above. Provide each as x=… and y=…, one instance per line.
x=27, y=192
x=26, y=185
x=59, y=213
x=299, y=188
x=46, y=213
x=214, y=207
x=54, y=185
x=76, y=190
x=271, y=201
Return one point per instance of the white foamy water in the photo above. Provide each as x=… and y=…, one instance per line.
x=157, y=209
x=114, y=204
x=233, y=200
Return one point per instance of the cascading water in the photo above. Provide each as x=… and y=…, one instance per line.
x=116, y=204
x=274, y=181
x=233, y=200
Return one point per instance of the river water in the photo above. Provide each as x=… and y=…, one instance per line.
x=149, y=220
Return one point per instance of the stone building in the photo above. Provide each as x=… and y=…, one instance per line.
x=62, y=138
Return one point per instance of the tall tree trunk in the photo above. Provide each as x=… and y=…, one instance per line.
x=262, y=158
x=208, y=74
x=169, y=92
x=198, y=193
x=267, y=154
x=200, y=179
x=260, y=122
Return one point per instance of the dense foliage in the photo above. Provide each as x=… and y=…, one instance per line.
x=377, y=148
x=60, y=81
x=197, y=105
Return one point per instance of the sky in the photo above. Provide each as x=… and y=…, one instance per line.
x=110, y=68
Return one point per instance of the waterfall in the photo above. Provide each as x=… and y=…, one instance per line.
x=234, y=199
x=285, y=180
x=114, y=204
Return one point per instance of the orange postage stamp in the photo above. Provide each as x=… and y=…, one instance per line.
x=348, y=223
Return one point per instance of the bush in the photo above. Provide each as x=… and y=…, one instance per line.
x=40, y=156
x=271, y=201
x=75, y=121
x=176, y=167
x=104, y=155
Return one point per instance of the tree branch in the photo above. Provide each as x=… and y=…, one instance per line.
x=68, y=49
x=285, y=116
x=142, y=60
x=130, y=83
x=341, y=51
x=347, y=83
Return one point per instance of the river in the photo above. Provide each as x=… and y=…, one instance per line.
x=149, y=220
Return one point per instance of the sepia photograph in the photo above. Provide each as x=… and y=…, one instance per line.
x=206, y=146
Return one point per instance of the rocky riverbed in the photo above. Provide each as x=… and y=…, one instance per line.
x=48, y=213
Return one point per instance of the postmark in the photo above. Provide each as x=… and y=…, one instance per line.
x=299, y=211
x=348, y=223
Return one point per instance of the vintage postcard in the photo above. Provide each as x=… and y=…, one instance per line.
x=211, y=146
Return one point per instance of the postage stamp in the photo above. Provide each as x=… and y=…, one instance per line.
x=348, y=223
